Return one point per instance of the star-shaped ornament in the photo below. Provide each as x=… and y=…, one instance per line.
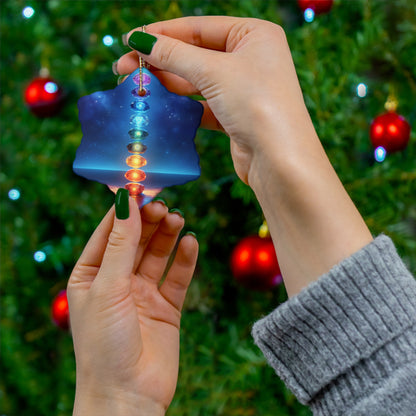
x=138, y=136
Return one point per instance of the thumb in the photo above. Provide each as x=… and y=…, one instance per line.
x=123, y=240
x=173, y=55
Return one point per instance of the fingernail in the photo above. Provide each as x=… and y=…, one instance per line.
x=114, y=68
x=161, y=200
x=121, y=78
x=142, y=42
x=176, y=211
x=124, y=39
x=191, y=233
x=122, y=204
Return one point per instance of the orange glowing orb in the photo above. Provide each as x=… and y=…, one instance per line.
x=135, y=175
x=136, y=161
x=134, y=188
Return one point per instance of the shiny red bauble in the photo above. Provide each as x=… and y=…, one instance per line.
x=43, y=96
x=254, y=263
x=318, y=6
x=60, y=310
x=390, y=131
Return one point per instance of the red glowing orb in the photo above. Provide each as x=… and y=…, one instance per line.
x=390, y=131
x=254, y=263
x=60, y=310
x=43, y=96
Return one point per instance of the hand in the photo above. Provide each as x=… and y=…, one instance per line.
x=244, y=70
x=125, y=324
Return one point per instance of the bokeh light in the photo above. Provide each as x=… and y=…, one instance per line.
x=361, y=90
x=309, y=15
x=380, y=154
x=14, y=194
x=39, y=256
x=28, y=12
x=108, y=40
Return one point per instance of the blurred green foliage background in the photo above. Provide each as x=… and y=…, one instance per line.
x=222, y=372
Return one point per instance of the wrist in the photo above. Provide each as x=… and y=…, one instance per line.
x=312, y=220
x=115, y=404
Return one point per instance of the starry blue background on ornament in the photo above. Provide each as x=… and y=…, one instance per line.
x=172, y=121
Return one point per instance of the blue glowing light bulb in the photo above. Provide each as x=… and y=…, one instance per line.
x=39, y=256
x=361, y=90
x=309, y=15
x=28, y=12
x=14, y=194
x=380, y=154
x=51, y=87
x=108, y=40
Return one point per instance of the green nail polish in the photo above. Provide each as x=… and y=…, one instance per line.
x=176, y=211
x=121, y=78
x=122, y=204
x=114, y=67
x=191, y=233
x=159, y=199
x=142, y=42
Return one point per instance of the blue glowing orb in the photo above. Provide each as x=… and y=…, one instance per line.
x=28, y=12
x=361, y=90
x=108, y=40
x=309, y=15
x=380, y=154
x=14, y=194
x=39, y=256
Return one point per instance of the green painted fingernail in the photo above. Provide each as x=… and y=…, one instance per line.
x=191, y=233
x=142, y=42
x=177, y=211
x=159, y=199
x=122, y=204
x=114, y=67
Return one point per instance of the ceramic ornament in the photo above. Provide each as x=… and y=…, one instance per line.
x=138, y=136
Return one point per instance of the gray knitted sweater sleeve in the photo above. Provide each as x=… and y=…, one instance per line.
x=346, y=345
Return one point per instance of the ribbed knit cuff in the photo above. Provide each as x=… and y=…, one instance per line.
x=347, y=331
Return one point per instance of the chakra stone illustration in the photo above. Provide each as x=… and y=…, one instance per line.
x=138, y=139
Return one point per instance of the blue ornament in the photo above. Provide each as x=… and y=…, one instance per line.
x=138, y=136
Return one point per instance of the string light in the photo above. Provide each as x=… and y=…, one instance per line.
x=361, y=90
x=380, y=154
x=309, y=15
x=14, y=194
x=28, y=12
x=51, y=87
x=108, y=40
x=39, y=256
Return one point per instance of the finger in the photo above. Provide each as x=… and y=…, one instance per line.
x=209, y=32
x=151, y=215
x=126, y=64
x=157, y=253
x=93, y=252
x=120, y=252
x=209, y=121
x=180, y=274
x=176, y=84
x=129, y=62
x=183, y=59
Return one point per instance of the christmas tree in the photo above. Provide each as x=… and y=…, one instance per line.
x=349, y=60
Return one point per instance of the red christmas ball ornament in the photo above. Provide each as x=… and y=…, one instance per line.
x=43, y=96
x=60, y=310
x=390, y=131
x=254, y=263
x=318, y=6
